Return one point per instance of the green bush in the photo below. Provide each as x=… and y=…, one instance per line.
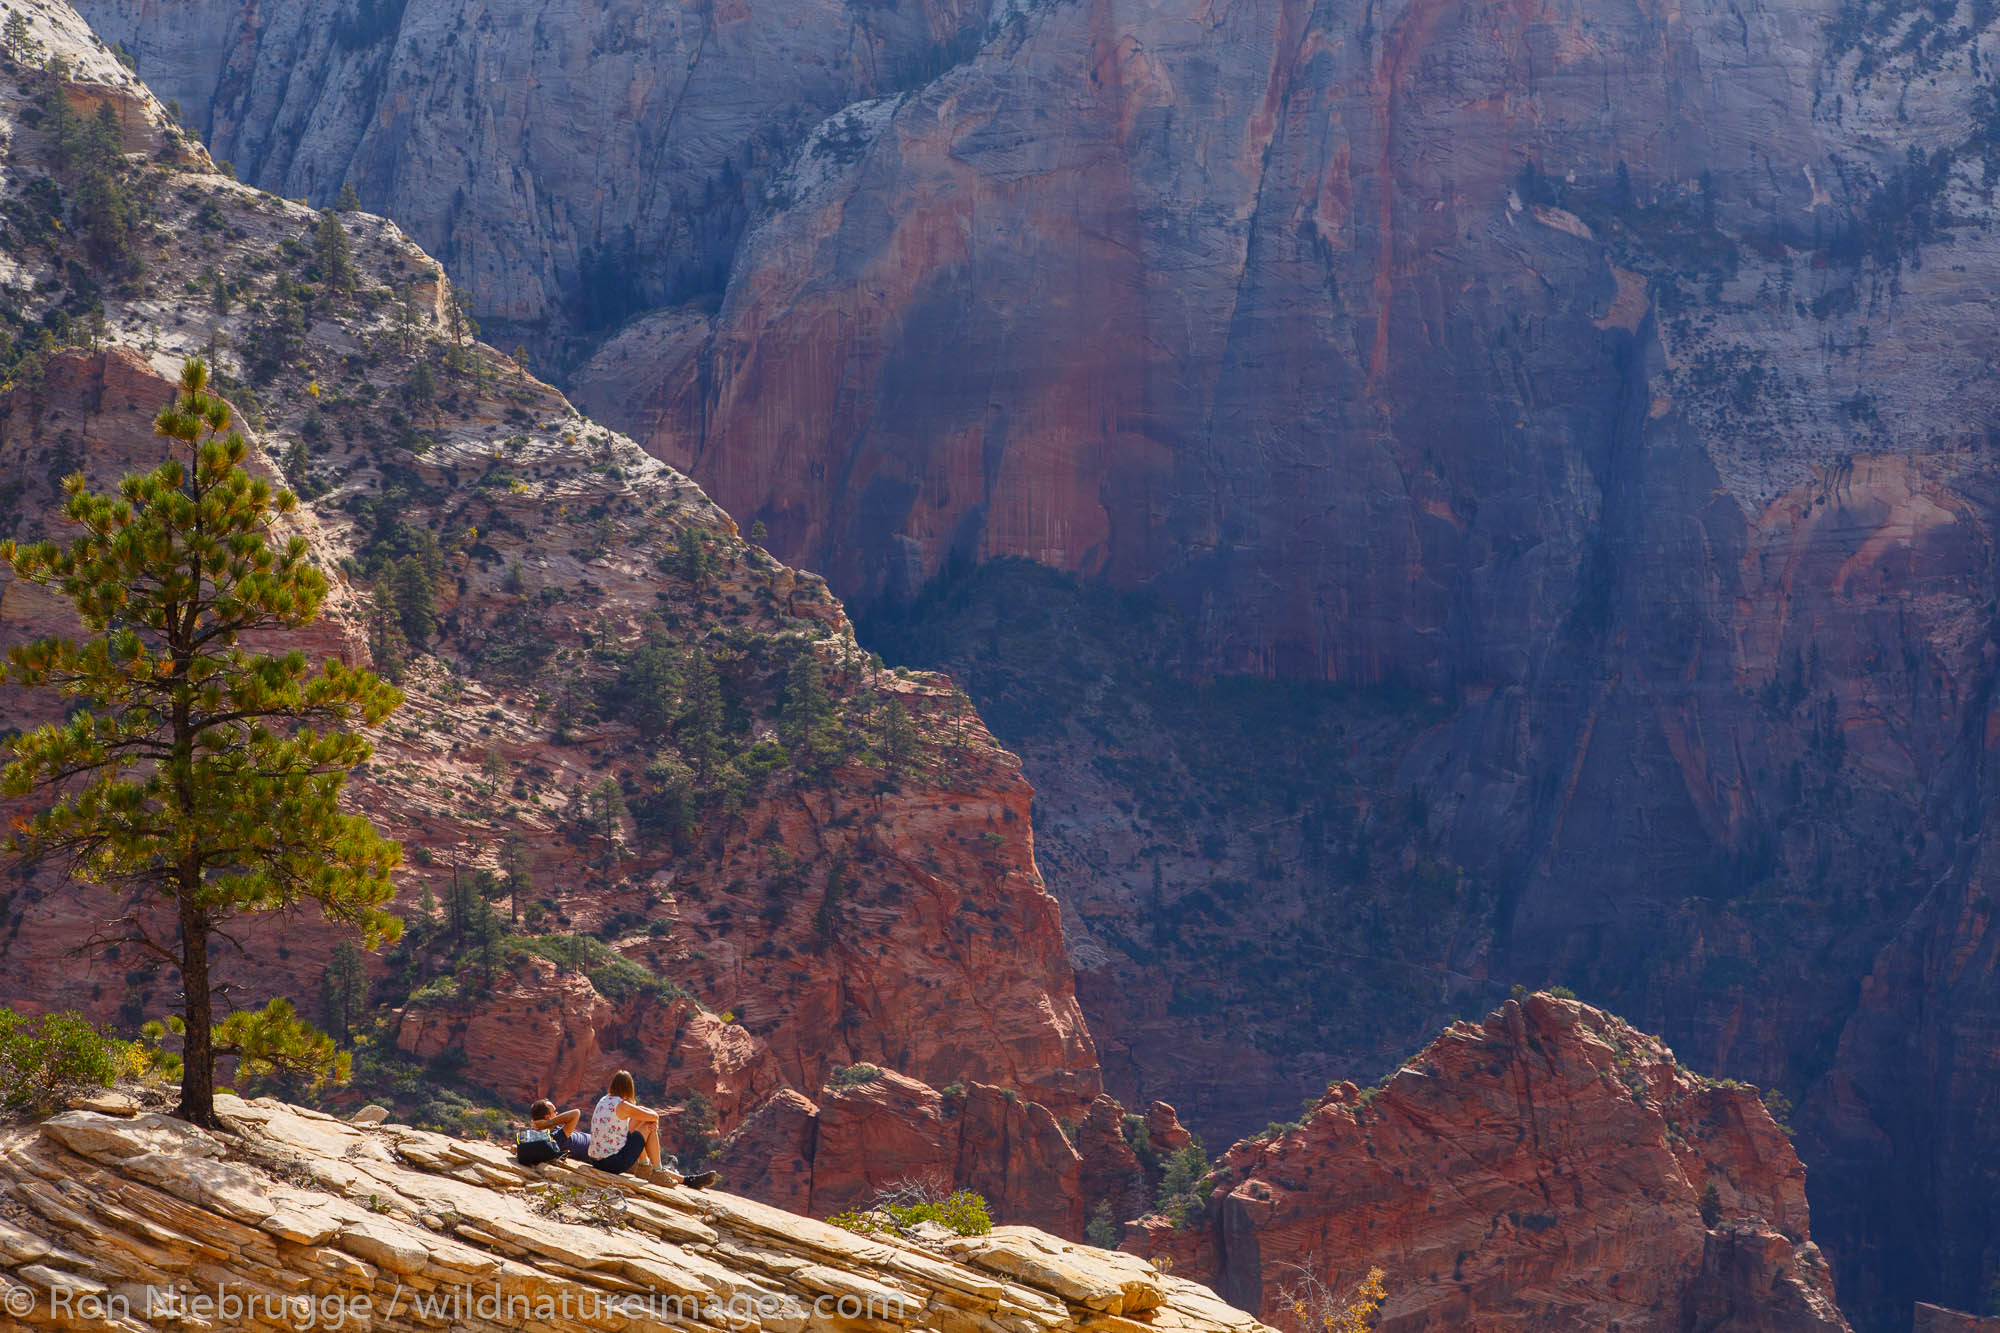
x=615, y=976
x=964, y=1213
x=1103, y=1230
x=853, y=1076
x=1181, y=1195
x=45, y=1061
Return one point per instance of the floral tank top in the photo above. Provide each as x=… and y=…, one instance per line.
x=608, y=1129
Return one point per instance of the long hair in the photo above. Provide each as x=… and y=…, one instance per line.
x=622, y=1085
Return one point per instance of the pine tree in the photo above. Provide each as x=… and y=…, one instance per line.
x=415, y=587
x=278, y=338
x=18, y=36
x=488, y=941
x=275, y=1042
x=332, y=256
x=700, y=731
x=298, y=462
x=192, y=774
x=421, y=386
x=343, y=992
x=899, y=738
x=409, y=319
x=457, y=902
x=605, y=806
x=520, y=878
x=806, y=723
x=693, y=559
x=463, y=328
x=349, y=201
x=648, y=690
x=387, y=645
x=91, y=155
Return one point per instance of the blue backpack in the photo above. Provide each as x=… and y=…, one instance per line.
x=536, y=1146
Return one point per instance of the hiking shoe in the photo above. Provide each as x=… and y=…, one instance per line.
x=701, y=1180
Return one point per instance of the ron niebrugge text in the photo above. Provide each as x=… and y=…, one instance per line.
x=447, y=1306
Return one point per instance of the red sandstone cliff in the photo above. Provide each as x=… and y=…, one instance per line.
x=1543, y=1170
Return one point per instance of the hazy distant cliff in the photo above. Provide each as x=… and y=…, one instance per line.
x=570, y=162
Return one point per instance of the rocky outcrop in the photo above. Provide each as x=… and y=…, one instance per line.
x=891, y=1130
x=876, y=1133
x=1547, y=1169
x=287, y=1209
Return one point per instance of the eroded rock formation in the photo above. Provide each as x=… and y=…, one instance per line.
x=1548, y=1169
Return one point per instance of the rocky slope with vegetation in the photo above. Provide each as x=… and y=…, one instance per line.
x=1617, y=698
x=660, y=811
x=689, y=109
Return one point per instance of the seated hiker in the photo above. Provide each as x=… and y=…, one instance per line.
x=624, y=1134
x=562, y=1128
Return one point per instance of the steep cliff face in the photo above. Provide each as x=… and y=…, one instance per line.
x=1548, y=1169
x=616, y=170
x=1251, y=304
x=677, y=891
x=1612, y=375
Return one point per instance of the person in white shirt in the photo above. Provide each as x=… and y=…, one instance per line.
x=624, y=1134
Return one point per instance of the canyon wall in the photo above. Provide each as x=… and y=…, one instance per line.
x=1594, y=397
x=571, y=163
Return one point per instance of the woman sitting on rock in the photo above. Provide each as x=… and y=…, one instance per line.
x=562, y=1128
x=624, y=1134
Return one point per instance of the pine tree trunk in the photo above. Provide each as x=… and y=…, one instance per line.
x=198, y=1046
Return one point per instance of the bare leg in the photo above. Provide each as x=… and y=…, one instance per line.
x=651, y=1156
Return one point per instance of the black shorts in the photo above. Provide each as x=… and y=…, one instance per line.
x=622, y=1160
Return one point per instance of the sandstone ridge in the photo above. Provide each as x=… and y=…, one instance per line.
x=289, y=1205
x=1550, y=1168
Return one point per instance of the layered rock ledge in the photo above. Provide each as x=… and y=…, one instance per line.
x=289, y=1209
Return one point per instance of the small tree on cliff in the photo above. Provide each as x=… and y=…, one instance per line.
x=1316, y=1306
x=333, y=257
x=197, y=777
